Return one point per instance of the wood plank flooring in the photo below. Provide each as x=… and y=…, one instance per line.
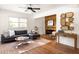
x=50, y=48
x=53, y=48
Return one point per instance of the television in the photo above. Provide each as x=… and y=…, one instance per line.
x=50, y=23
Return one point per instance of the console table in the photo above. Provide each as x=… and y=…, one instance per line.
x=71, y=35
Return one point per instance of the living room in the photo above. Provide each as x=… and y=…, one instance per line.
x=14, y=17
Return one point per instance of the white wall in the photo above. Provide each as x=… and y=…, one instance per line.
x=40, y=23
x=58, y=12
x=31, y=23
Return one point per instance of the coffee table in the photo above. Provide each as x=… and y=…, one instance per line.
x=22, y=40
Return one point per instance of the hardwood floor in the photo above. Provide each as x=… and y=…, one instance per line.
x=49, y=48
x=53, y=48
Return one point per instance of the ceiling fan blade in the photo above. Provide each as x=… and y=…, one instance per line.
x=32, y=10
x=36, y=8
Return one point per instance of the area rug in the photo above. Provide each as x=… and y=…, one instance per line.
x=33, y=44
x=9, y=48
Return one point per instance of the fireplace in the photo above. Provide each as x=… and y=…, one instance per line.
x=49, y=31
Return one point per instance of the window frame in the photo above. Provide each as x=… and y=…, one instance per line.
x=17, y=22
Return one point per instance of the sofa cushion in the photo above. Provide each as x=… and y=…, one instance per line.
x=24, y=34
x=19, y=32
x=6, y=34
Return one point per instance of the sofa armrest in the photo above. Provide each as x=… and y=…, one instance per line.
x=7, y=39
x=2, y=36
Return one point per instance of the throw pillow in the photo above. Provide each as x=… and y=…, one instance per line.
x=11, y=32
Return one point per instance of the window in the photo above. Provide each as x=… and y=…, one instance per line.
x=17, y=22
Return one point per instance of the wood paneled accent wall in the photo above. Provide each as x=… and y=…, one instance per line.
x=50, y=28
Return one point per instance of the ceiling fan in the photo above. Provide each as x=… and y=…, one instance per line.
x=31, y=8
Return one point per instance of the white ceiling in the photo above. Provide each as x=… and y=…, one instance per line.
x=17, y=7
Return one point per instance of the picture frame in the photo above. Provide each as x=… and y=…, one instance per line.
x=67, y=19
x=69, y=14
x=63, y=21
x=71, y=19
x=71, y=28
x=64, y=28
x=67, y=23
x=63, y=15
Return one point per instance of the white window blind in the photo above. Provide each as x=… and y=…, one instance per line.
x=15, y=22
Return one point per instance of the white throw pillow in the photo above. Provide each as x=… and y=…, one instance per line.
x=11, y=32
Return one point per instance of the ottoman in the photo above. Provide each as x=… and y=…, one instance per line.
x=33, y=36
